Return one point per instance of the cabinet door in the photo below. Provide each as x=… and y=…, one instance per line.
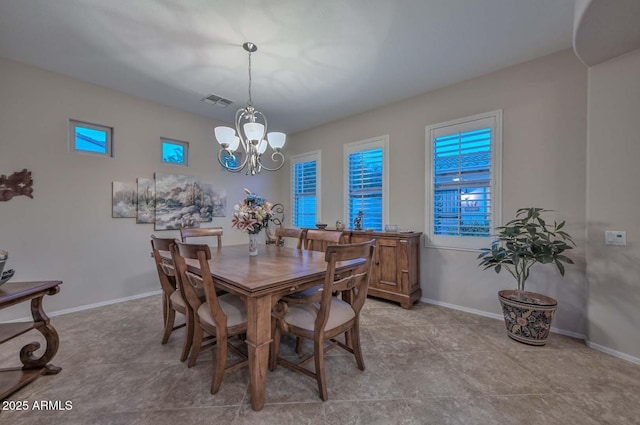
x=375, y=269
x=388, y=273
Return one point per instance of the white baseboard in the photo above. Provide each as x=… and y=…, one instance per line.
x=590, y=344
x=90, y=306
x=614, y=353
x=496, y=316
x=461, y=308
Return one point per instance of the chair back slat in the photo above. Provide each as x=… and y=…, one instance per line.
x=202, y=253
x=356, y=282
x=197, y=232
x=319, y=240
x=284, y=232
x=166, y=271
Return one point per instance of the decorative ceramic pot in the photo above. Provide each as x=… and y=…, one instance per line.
x=527, y=315
x=253, y=244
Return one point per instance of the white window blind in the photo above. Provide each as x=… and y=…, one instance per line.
x=462, y=184
x=305, y=183
x=464, y=173
x=365, y=187
x=366, y=181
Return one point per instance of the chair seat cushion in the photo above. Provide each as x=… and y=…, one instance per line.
x=304, y=317
x=176, y=299
x=232, y=306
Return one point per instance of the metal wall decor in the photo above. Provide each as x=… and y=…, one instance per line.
x=277, y=219
x=18, y=183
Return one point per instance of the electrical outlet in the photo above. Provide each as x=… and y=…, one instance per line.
x=615, y=237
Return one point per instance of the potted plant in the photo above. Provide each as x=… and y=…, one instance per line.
x=522, y=242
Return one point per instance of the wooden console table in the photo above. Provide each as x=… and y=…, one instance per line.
x=15, y=293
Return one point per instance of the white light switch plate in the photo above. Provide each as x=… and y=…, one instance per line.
x=615, y=237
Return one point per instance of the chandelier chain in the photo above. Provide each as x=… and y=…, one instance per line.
x=250, y=102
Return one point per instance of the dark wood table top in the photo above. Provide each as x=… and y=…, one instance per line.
x=13, y=292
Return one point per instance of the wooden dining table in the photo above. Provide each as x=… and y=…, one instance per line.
x=261, y=281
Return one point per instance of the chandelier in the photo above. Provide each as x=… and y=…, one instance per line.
x=249, y=135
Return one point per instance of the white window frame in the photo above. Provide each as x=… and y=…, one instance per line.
x=184, y=144
x=73, y=123
x=363, y=145
x=307, y=157
x=461, y=125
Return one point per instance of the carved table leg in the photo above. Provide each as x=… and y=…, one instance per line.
x=41, y=323
x=258, y=340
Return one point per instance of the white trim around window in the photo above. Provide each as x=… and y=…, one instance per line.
x=466, y=186
x=380, y=142
x=313, y=156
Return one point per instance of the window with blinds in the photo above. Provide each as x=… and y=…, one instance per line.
x=464, y=175
x=366, y=183
x=305, y=182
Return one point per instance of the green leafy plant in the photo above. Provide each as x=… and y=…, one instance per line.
x=525, y=241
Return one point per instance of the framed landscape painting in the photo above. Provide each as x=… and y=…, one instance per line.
x=214, y=203
x=178, y=201
x=123, y=200
x=146, y=201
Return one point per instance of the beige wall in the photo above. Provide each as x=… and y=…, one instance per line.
x=66, y=232
x=544, y=163
x=613, y=151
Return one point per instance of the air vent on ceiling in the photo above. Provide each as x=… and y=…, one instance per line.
x=217, y=100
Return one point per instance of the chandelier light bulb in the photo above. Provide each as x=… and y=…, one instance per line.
x=276, y=139
x=262, y=146
x=225, y=135
x=235, y=143
x=254, y=131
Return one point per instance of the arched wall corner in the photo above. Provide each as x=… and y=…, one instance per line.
x=605, y=29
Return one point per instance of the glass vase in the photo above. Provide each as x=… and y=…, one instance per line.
x=253, y=244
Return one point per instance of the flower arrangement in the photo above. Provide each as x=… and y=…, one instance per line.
x=252, y=214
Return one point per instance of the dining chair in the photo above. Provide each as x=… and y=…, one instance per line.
x=172, y=299
x=318, y=240
x=314, y=240
x=196, y=232
x=219, y=316
x=324, y=316
x=285, y=232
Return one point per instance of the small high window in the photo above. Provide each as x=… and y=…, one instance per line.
x=90, y=138
x=175, y=152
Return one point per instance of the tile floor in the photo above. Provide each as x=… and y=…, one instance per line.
x=428, y=365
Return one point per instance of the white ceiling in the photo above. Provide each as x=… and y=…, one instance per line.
x=317, y=60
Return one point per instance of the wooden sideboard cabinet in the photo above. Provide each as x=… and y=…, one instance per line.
x=396, y=266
